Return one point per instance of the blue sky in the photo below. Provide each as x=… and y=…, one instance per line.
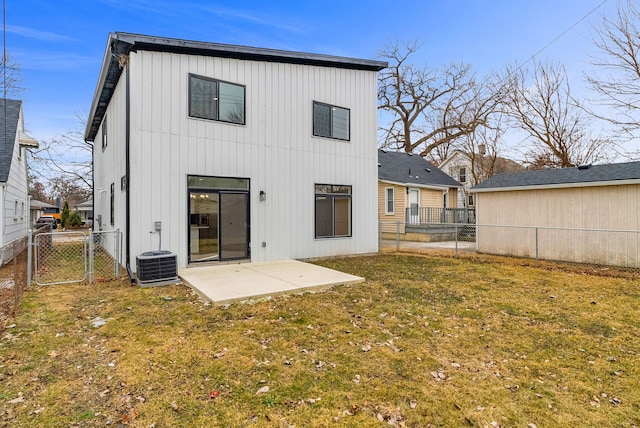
x=59, y=44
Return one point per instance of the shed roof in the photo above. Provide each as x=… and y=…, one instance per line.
x=123, y=43
x=39, y=204
x=403, y=168
x=8, y=129
x=588, y=175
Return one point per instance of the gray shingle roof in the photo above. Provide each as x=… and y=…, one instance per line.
x=550, y=177
x=412, y=169
x=8, y=131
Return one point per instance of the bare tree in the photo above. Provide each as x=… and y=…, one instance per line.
x=67, y=157
x=10, y=77
x=483, y=149
x=617, y=83
x=540, y=104
x=430, y=108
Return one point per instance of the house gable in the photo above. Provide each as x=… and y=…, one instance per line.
x=8, y=130
x=121, y=44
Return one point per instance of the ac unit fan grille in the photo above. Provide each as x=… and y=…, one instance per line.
x=156, y=266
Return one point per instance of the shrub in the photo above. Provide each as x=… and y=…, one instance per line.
x=74, y=219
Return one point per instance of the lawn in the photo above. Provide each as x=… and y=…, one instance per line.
x=425, y=341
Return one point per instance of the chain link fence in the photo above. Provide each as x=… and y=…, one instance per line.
x=13, y=277
x=105, y=256
x=76, y=256
x=595, y=251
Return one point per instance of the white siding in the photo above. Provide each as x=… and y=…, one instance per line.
x=109, y=164
x=275, y=150
x=15, y=194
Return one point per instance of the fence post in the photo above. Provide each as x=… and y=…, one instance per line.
x=29, y=256
x=379, y=236
x=537, y=262
x=91, y=250
x=397, y=235
x=115, y=253
x=456, y=229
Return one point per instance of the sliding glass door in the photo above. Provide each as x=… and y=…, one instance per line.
x=218, y=219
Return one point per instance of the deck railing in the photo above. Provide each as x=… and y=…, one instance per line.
x=430, y=215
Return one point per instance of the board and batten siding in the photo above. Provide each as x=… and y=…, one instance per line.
x=275, y=150
x=110, y=164
x=611, y=207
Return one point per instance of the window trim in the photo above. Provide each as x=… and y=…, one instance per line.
x=333, y=196
x=331, y=107
x=386, y=201
x=217, y=82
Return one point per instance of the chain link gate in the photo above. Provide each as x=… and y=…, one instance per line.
x=74, y=257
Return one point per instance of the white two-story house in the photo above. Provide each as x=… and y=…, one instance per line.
x=218, y=152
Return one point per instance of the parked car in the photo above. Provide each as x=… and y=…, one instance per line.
x=47, y=220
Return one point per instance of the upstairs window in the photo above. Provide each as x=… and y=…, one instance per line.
x=463, y=175
x=104, y=133
x=331, y=121
x=216, y=100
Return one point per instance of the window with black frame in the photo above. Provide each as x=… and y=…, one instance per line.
x=112, y=203
x=104, y=133
x=332, y=211
x=331, y=121
x=216, y=100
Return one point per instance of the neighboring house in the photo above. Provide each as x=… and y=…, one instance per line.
x=85, y=209
x=602, y=197
x=39, y=208
x=413, y=192
x=218, y=152
x=14, y=200
x=460, y=166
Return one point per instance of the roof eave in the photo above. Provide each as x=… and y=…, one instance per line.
x=421, y=186
x=557, y=186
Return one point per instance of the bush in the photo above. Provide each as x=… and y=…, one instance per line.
x=74, y=219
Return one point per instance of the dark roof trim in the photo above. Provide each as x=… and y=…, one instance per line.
x=123, y=43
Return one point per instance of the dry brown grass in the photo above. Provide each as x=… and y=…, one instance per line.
x=425, y=341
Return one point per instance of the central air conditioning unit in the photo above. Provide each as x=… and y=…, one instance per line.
x=155, y=268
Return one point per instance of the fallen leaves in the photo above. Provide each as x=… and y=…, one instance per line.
x=129, y=417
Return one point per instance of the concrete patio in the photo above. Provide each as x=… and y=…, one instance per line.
x=222, y=284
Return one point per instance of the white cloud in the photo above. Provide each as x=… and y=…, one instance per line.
x=36, y=34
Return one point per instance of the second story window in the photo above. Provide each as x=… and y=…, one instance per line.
x=463, y=175
x=331, y=121
x=104, y=133
x=216, y=100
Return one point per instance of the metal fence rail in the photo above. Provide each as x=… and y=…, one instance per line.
x=435, y=215
x=598, y=250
